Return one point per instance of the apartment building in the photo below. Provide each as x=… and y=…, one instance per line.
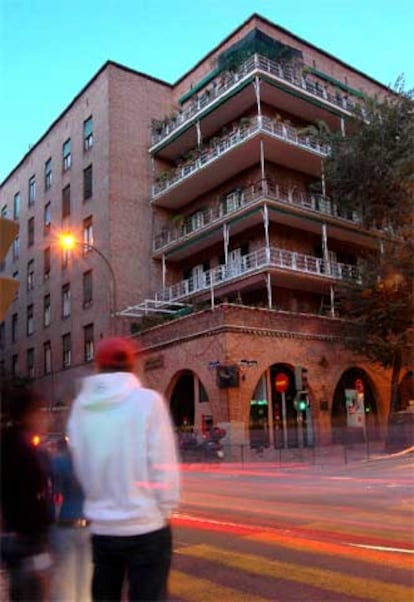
x=203, y=227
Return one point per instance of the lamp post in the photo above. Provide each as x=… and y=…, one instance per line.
x=68, y=242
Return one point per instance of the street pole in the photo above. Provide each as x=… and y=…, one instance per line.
x=114, y=301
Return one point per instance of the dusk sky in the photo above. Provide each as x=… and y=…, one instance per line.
x=50, y=50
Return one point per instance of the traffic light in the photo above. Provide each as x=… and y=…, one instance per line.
x=301, y=401
x=301, y=379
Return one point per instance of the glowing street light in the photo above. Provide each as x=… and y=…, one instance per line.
x=68, y=242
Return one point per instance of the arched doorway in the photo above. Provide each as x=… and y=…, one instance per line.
x=189, y=403
x=182, y=401
x=354, y=408
x=274, y=420
x=406, y=392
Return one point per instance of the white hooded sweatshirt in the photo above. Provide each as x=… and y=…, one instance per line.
x=124, y=454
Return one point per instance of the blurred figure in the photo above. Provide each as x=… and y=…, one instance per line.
x=72, y=574
x=125, y=458
x=26, y=497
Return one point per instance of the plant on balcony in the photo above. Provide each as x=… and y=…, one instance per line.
x=162, y=177
x=245, y=122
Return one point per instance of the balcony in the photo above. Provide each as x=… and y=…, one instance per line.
x=293, y=80
x=287, y=268
x=240, y=203
x=284, y=145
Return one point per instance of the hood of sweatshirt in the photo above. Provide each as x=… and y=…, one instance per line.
x=105, y=390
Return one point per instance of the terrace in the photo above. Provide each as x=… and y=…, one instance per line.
x=296, y=80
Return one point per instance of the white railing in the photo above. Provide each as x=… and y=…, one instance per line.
x=271, y=257
x=245, y=197
x=278, y=129
x=298, y=78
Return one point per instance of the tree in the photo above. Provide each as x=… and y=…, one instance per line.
x=371, y=170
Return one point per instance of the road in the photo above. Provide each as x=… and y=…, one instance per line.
x=264, y=533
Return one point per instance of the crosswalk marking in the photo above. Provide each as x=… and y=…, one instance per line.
x=333, y=581
x=186, y=586
x=370, y=554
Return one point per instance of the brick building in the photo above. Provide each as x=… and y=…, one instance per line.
x=200, y=212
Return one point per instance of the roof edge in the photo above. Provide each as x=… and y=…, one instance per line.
x=105, y=66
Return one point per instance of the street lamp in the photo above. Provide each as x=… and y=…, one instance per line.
x=68, y=242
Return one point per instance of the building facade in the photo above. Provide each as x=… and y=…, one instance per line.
x=203, y=228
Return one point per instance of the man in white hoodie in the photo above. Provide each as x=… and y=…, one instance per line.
x=125, y=458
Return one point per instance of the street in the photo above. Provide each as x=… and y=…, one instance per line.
x=295, y=534
x=268, y=532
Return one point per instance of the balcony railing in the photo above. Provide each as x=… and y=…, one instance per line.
x=230, y=204
x=252, y=262
x=219, y=86
x=277, y=129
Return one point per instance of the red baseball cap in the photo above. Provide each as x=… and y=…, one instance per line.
x=116, y=354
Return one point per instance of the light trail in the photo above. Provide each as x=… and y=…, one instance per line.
x=380, y=548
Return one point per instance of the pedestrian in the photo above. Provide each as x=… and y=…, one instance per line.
x=26, y=496
x=72, y=574
x=124, y=452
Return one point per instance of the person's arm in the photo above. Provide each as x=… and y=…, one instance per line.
x=163, y=464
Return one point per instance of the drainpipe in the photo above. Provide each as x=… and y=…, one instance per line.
x=226, y=243
x=164, y=271
x=269, y=290
x=265, y=213
x=332, y=301
x=256, y=85
x=212, y=303
x=199, y=139
x=325, y=250
x=262, y=159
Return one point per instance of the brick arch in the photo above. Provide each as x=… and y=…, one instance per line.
x=339, y=426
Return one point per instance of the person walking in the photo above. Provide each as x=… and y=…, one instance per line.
x=125, y=457
x=26, y=496
x=72, y=573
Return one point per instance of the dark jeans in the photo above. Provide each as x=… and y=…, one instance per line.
x=144, y=560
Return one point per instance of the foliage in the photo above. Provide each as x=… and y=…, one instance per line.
x=371, y=169
x=380, y=306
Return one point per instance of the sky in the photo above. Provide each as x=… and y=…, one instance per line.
x=49, y=50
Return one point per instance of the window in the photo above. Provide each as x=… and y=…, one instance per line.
x=16, y=206
x=88, y=342
x=30, y=232
x=16, y=249
x=30, y=275
x=87, y=183
x=30, y=320
x=65, y=300
x=87, y=134
x=4, y=211
x=67, y=350
x=87, y=288
x=48, y=174
x=14, y=325
x=15, y=275
x=67, y=154
x=47, y=218
x=87, y=234
x=32, y=190
x=30, y=363
x=47, y=310
x=46, y=263
x=47, y=358
x=66, y=201
x=14, y=364
x=65, y=257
